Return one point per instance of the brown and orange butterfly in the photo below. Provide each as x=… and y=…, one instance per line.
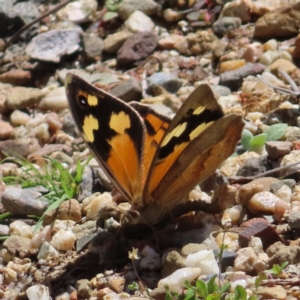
x=154, y=162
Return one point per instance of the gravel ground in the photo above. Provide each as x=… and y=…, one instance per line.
x=65, y=229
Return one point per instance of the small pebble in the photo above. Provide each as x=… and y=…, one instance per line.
x=63, y=240
x=179, y=277
x=205, y=260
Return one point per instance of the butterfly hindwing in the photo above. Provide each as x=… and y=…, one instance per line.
x=196, y=114
x=198, y=140
x=199, y=160
x=113, y=131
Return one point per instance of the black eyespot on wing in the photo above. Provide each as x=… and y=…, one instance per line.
x=82, y=101
x=190, y=111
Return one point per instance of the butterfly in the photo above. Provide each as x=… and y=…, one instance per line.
x=153, y=161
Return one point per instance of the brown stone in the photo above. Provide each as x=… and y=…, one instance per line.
x=273, y=292
x=282, y=22
x=258, y=228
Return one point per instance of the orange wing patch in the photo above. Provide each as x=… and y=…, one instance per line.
x=124, y=164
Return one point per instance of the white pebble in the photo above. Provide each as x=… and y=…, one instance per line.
x=284, y=193
x=138, y=22
x=97, y=203
x=148, y=251
x=256, y=244
x=63, y=240
x=270, y=45
x=63, y=224
x=47, y=249
x=268, y=57
x=63, y=296
x=205, y=260
x=111, y=296
x=19, y=118
x=38, y=292
x=230, y=239
x=241, y=282
x=253, y=116
x=56, y=100
x=286, y=55
x=179, y=277
x=20, y=228
x=234, y=213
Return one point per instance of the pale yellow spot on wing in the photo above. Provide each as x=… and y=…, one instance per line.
x=119, y=122
x=177, y=131
x=199, y=110
x=89, y=125
x=197, y=131
x=92, y=100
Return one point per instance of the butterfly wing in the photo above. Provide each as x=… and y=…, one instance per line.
x=113, y=131
x=156, y=125
x=197, y=141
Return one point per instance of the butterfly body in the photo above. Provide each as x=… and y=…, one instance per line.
x=153, y=161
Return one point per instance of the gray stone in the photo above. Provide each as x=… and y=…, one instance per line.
x=220, y=90
x=294, y=219
x=171, y=263
x=104, y=180
x=47, y=249
x=4, y=230
x=254, y=166
x=275, y=186
x=93, y=46
x=84, y=241
x=23, y=202
x=114, y=42
x=87, y=183
x=234, y=79
x=10, y=20
x=137, y=47
x=227, y=260
x=277, y=149
x=289, y=182
x=27, y=10
x=166, y=80
x=68, y=125
x=162, y=109
x=128, y=90
x=127, y=7
x=52, y=45
x=226, y=24
x=14, y=147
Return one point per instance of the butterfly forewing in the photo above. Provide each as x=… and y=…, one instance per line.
x=195, y=116
x=113, y=131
